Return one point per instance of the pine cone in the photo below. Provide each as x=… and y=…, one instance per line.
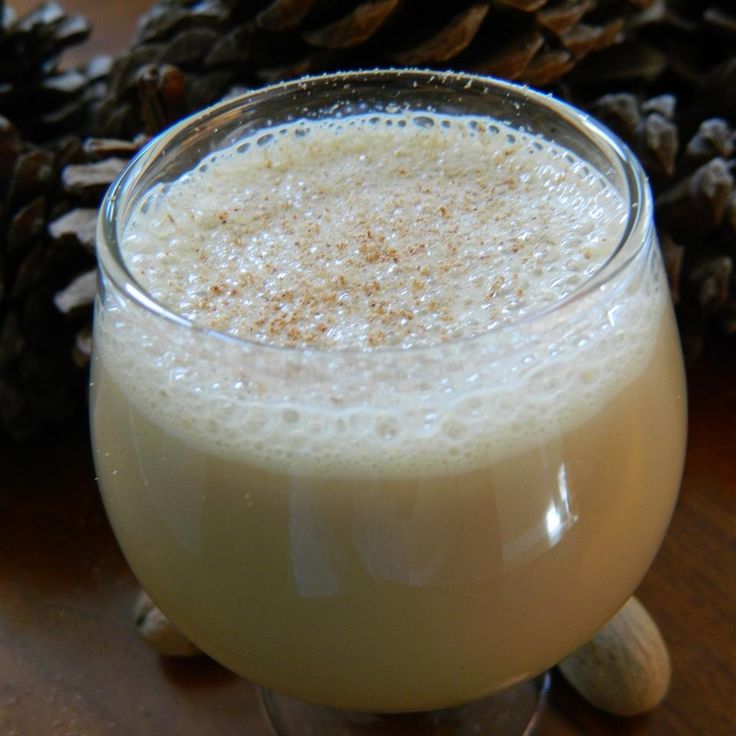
x=47, y=273
x=670, y=46
x=188, y=54
x=43, y=100
x=687, y=50
x=40, y=382
x=695, y=195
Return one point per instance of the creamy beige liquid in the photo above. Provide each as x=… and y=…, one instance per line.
x=420, y=520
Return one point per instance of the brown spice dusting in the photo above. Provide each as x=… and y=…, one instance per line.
x=361, y=256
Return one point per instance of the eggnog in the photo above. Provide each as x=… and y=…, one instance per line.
x=402, y=446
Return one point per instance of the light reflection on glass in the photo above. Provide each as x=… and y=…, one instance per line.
x=559, y=515
x=522, y=542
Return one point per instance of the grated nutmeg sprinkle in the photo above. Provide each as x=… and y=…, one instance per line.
x=372, y=231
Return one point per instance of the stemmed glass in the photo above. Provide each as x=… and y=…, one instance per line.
x=320, y=522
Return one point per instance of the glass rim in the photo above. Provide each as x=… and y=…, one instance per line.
x=632, y=241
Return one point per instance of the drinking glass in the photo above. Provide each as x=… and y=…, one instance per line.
x=396, y=531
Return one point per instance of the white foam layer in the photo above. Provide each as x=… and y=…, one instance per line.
x=537, y=225
x=372, y=231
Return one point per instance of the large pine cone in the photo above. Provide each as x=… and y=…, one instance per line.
x=49, y=203
x=39, y=381
x=188, y=54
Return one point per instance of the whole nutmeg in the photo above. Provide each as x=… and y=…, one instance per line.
x=625, y=668
x=159, y=632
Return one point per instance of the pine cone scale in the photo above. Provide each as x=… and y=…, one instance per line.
x=584, y=39
x=353, y=29
x=563, y=18
x=26, y=225
x=80, y=224
x=448, y=42
x=511, y=62
x=546, y=67
x=527, y=6
x=283, y=15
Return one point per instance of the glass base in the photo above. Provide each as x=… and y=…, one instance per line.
x=512, y=712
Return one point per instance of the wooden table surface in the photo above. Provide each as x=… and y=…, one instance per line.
x=72, y=664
